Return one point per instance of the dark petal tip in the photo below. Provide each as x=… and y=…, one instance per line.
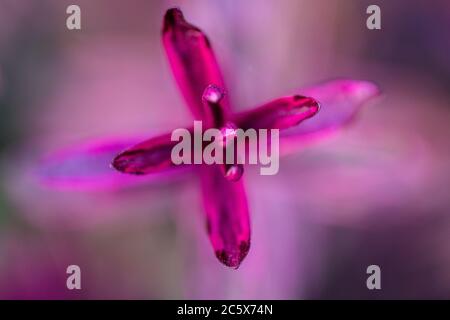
x=119, y=163
x=172, y=17
x=125, y=164
x=234, y=259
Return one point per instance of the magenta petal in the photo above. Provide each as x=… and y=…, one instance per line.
x=227, y=214
x=86, y=166
x=280, y=114
x=192, y=60
x=340, y=101
x=147, y=157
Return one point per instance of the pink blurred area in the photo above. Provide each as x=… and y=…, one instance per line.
x=376, y=193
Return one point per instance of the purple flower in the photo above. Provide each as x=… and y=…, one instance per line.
x=200, y=80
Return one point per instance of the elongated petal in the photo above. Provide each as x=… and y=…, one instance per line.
x=281, y=113
x=147, y=157
x=192, y=60
x=340, y=101
x=87, y=166
x=227, y=214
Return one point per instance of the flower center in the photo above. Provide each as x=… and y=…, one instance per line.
x=212, y=96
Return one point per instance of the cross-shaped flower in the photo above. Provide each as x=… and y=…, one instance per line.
x=200, y=80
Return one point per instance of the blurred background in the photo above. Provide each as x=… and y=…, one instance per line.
x=375, y=194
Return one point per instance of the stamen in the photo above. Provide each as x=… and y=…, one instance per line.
x=212, y=96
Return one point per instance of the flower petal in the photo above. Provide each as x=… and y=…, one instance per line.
x=147, y=157
x=280, y=114
x=192, y=60
x=340, y=100
x=86, y=167
x=227, y=214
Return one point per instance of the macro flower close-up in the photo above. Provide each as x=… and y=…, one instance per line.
x=200, y=80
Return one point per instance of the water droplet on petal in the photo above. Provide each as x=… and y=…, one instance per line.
x=213, y=94
x=234, y=172
x=229, y=133
x=229, y=130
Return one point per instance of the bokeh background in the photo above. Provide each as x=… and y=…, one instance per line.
x=377, y=193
